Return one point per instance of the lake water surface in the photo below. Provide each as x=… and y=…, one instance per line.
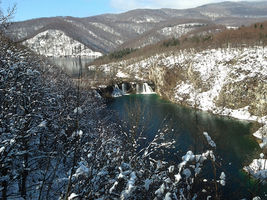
x=74, y=66
x=235, y=145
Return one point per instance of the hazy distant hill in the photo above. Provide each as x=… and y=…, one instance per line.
x=107, y=32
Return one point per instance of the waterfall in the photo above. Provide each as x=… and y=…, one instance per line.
x=147, y=89
x=116, y=91
x=140, y=88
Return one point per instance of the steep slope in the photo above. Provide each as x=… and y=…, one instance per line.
x=57, y=43
x=228, y=81
x=105, y=33
x=234, y=9
x=224, y=74
x=223, y=81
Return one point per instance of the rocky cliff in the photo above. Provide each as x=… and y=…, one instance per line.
x=56, y=43
x=228, y=81
x=223, y=81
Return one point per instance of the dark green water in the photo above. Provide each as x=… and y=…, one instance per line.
x=235, y=145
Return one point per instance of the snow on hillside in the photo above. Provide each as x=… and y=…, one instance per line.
x=179, y=30
x=56, y=43
x=212, y=69
x=212, y=15
x=146, y=19
x=230, y=81
x=216, y=68
x=106, y=28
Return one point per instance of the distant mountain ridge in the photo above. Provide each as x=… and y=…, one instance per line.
x=104, y=33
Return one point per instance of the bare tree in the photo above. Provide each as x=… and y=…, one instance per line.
x=6, y=17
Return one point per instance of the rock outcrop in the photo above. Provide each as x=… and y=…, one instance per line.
x=230, y=81
x=56, y=43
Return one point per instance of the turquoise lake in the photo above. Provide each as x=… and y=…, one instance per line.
x=235, y=145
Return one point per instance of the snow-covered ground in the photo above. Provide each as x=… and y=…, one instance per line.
x=229, y=81
x=56, y=43
x=179, y=30
x=213, y=68
x=258, y=168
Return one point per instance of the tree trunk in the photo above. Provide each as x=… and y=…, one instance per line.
x=24, y=177
x=4, y=185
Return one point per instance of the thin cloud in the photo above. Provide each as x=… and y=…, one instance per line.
x=122, y=5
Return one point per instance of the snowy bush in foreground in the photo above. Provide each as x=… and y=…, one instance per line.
x=38, y=125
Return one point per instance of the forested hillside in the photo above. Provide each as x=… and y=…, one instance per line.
x=141, y=27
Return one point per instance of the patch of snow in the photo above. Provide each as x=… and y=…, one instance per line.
x=147, y=184
x=258, y=168
x=171, y=169
x=178, y=177
x=78, y=110
x=178, y=30
x=212, y=15
x=262, y=135
x=159, y=192
x=168, y=196
x=82, y=170
x=73, y=196
x=189, y=156
x=2, y=149
x=42, y=124
x=121, y=75
x=222, y=177
x=130, y=186
x=232, y=27
x=210, y=141
x=105, y=28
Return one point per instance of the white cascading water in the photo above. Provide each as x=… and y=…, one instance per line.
x=147, y=89
x=117, y=92
x=141, y=88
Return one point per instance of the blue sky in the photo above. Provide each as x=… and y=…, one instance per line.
x=28, y=9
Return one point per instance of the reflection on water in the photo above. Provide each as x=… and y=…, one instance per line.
x=74, y=66
x=235, y=148
x=78, y=68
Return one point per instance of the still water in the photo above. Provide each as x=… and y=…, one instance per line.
x=235, y=145
x=77, y=68
x=74, y=66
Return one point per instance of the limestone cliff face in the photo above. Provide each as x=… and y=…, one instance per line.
x=228, y=81
x=223, y=81
x=251, y=92
x=55, y=43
